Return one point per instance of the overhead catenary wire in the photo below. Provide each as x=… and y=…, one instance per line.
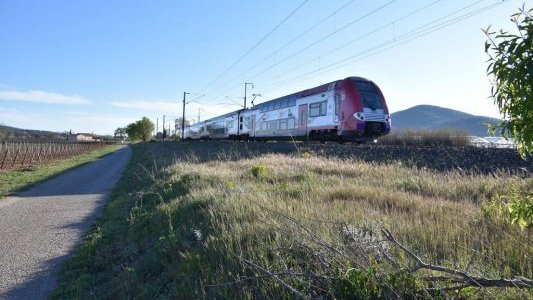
x=395, y=41
x=256, y=44
x=392, y=40
x=321, y=39
x=314, y=26
x=358, y=38
x=392, y=43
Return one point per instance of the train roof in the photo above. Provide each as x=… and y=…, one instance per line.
x=308, y=92
x=359, y=78
x=312, y=91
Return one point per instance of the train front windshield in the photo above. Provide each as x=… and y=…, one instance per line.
x=369, y=95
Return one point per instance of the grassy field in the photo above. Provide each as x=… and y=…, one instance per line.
x=12, y=181
x=223, y=220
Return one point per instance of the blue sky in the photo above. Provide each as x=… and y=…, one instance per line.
x=93, y=66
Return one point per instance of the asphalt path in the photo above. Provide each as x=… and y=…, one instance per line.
x=41, y=227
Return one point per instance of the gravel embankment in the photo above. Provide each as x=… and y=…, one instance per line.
x=467, y=159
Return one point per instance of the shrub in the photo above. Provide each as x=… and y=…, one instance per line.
x=515, y=208
x=259, y=171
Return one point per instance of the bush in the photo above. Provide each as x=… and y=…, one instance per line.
x=259, y=171
x=515, y=208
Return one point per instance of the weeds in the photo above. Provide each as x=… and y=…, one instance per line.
x=516, y=207
x=259, y=171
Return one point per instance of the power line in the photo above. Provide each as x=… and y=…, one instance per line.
x=256, y=44
x=405, y=38
x=286, y=45
x=380, y=28
x=388, y=44
x=320, y=40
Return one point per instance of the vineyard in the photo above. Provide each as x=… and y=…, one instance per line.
x=15, y=155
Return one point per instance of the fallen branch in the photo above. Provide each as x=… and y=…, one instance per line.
x=458, y=276
x=273, y=275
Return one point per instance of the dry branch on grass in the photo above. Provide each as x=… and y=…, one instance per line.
x=459, y=277
x=358, y=249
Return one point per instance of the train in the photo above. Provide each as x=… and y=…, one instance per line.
x=352, y=109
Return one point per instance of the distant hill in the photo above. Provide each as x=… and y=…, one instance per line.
x=7, y=132
x=434, y=117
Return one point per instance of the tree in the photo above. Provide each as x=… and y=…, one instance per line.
x=121, y=133
x=140, y=130
x=511, y=66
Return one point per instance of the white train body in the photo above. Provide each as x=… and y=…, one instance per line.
x=332, y=111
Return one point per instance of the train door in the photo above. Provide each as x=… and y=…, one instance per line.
x=337, y=101
x=252, y=125
x=302, y=119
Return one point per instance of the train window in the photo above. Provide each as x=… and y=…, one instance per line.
x=363, y=86
x=323, y=108
x=264, y=126
x=317, y=109
x=314, y=109
x=292, y=101
x=337, y=104
x=262, y=108
x=371, y=100
x=272, y=125
x=283, y=124
x=277, y=104
x=291, y=123
x=284, y=102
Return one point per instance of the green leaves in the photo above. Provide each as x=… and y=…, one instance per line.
x=140, y=130
x=511, y=66
x=516, y=207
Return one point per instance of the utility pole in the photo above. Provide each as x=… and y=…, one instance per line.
x=164, y=135
x=183, y=117
x=156, y=126
x=245, y=86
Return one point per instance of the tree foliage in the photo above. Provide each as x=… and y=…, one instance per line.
x=511, y=66
x=121, y=133
x=141, y=130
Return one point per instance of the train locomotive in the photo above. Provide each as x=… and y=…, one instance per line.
x=352, y=109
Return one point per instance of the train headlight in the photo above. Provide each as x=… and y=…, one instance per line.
x=359, y=116
x=387, y=118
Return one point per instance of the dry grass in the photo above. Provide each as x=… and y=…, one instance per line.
x=196, y=223
x=437, y=214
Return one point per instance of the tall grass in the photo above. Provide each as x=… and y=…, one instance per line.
x=440, y=137
x=188, y=225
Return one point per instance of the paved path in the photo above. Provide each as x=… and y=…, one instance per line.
x=40, y=228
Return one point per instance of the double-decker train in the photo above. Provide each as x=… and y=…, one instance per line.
x=352, y=109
